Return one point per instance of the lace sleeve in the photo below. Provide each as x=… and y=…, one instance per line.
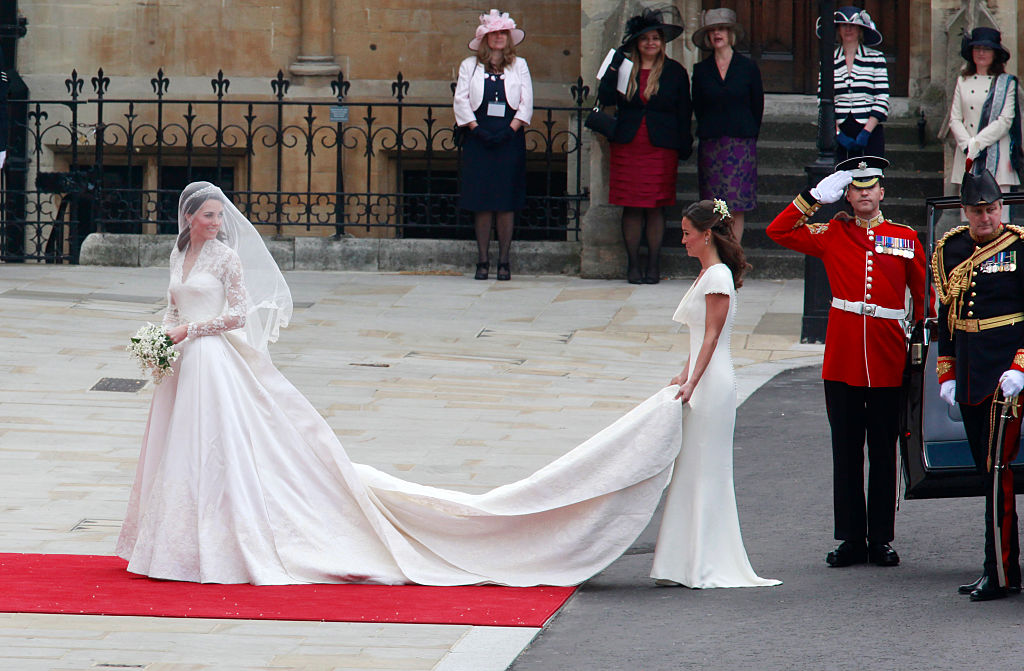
x=172, y=317
x=234, y=314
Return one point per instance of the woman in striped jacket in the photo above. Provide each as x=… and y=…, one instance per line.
x=861, y=86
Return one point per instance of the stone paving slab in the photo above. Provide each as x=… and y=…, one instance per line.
x=439, y=379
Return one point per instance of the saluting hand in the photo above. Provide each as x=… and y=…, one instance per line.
x=831, y=189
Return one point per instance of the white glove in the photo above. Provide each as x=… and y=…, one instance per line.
x=3, y=158
x=973, y=148
x=1011, y=382
x=831, y=189
x=947, y=391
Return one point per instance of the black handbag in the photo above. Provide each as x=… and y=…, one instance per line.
x=601, y=122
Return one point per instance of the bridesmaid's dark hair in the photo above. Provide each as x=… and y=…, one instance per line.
x=192, y=206
x=704, y=218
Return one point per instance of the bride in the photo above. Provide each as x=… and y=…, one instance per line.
x=241, y=481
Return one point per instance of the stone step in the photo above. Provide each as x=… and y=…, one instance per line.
x=899, y=131
x=798, y=153
x=776, y=180
x=766, y=264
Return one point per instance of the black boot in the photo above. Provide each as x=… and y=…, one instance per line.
x=989, y=590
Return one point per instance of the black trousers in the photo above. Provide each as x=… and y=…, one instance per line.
x=1001, y=504
x=855, y=413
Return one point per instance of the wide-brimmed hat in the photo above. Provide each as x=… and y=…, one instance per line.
x=715, y=18
x=984, y=37
x=648, y=20
x=492, y=23
x=865, y=170
x=855, y=16
x=979, y=189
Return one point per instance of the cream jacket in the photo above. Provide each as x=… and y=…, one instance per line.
x=469, y=91
x=964, y=118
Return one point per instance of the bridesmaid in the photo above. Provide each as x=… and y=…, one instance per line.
x=699, y=542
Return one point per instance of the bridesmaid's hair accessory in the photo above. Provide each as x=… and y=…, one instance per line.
x=492, y=23
x=712, y=217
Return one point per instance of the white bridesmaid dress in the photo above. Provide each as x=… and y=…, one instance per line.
x=699, y=542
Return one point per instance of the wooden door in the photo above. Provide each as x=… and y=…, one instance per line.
x=779, y=36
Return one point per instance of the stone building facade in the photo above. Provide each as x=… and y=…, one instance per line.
x=311, y=41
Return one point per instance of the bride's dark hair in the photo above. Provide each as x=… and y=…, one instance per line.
x=191, y=205
x=704, y=218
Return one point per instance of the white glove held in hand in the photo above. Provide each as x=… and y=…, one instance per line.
x=973, y=148
x=947, y=391
x=1011, y=382
x=831, y=189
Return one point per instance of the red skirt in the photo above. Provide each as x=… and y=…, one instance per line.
x=640, y=174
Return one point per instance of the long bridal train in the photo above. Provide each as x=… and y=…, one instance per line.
x=240, y=480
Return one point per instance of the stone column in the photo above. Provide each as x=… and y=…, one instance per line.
x=603, y=254
x=315, y=58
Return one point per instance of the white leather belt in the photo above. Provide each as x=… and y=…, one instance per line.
x=870, y=309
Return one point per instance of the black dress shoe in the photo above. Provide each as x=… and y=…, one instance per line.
x=989, y=590
x=882, y=554
x=847, y=554
x=969, y=587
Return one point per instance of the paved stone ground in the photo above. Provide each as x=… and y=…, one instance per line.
x=863, y=617
x=439, y=379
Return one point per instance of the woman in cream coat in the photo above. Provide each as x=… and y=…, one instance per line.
x=494, y=100
x=981, y=118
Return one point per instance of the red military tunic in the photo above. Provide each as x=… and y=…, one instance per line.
x=860, y=350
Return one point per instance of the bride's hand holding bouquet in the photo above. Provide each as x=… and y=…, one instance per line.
x=154, y=350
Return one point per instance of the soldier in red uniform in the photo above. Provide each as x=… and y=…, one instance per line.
x=871, y=262
x=979, y=271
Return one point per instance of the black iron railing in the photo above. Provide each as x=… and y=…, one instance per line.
x=331, y=166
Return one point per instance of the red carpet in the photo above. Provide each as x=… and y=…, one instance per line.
x=97, y=585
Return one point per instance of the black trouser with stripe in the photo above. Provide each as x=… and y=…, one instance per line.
x=977, y=423
x=855, y=413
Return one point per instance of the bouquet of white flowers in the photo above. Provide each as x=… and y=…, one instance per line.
x=154, y=350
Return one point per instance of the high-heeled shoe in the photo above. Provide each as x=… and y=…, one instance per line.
x=633, y=275
x=504, y=272
x=481, y=270
x=653, y=274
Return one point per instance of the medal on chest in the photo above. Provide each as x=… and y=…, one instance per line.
x=1001, y=262
x=902, y=247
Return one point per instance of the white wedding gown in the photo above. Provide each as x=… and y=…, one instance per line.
x=241, y=481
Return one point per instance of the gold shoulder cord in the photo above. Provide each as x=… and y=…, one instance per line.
x=941, y=281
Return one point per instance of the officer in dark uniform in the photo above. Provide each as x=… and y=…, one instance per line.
x=871, y=262
x=979, y=271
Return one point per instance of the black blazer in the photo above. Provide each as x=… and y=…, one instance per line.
x=731, y=107
x=668, y=111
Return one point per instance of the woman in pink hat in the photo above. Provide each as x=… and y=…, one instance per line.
x=494, y=99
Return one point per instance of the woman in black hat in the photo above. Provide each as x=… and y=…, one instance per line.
x=984, y=108
x=652, y=134
x=861, y=85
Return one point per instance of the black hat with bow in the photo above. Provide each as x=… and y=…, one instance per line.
x=648, y=20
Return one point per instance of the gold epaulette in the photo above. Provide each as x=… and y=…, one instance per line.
x=1019, y=230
